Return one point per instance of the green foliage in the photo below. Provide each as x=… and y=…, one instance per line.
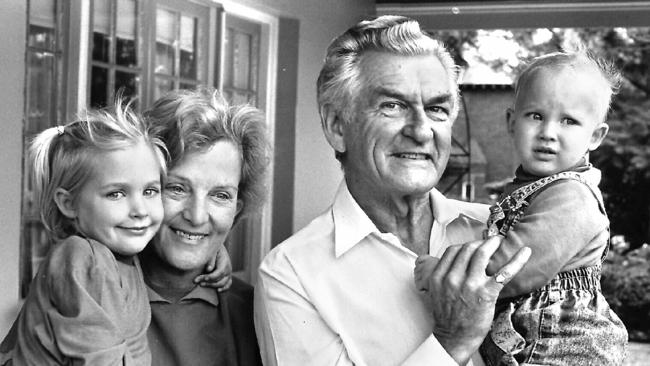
x=626, y=285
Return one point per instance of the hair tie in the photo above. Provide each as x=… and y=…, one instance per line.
x=60, y=130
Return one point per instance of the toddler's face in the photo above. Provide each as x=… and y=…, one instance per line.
x=120, y=206
x=558, y=117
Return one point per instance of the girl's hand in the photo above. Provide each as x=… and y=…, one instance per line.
x=218, y=272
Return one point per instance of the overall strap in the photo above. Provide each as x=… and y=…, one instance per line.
x=519, y=199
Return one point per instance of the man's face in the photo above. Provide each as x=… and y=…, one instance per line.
x=399, y=137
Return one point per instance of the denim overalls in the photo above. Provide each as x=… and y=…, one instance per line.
x=566, y=322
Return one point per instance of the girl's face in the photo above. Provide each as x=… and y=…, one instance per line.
x=201, y=201
x=120, y=206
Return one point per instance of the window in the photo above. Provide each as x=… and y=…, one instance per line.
x=43, y=108
x=80, y=54
x=116, y=55
x=180, y=48
x=245, y=78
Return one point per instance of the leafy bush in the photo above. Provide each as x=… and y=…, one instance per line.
x=626, y=285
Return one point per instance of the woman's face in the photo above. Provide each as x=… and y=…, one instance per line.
x=200, y=200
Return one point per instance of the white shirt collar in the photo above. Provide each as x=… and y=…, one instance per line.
x=352, y=224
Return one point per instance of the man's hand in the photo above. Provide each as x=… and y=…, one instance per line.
x=460, y=294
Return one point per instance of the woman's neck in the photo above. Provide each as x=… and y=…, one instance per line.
x=169, y=282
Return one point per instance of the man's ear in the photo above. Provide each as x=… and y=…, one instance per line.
x=65, y=202
x=510, y=120
x=333, y=127
x=598, y=136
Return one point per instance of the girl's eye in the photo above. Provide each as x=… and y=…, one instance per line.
x=536, y=116
x=115, y=195
x=151, y=192
x=570, y=121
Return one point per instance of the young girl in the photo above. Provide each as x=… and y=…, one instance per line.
x=98, y=185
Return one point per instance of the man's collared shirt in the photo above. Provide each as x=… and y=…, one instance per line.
x=339, y=292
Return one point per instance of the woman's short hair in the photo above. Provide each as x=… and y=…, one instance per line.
x=194, y=120
x=64, y=157
x=340, y=81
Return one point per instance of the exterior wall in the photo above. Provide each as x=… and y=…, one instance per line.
x=486, y=108
x=12, y=58
x=317, y=174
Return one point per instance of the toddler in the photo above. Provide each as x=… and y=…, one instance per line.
x=98, y=185
x=553, y=312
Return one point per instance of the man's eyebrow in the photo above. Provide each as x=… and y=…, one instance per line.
x=441, y=98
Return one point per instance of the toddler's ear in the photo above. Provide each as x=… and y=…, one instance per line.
x=510, y=120
x=65, y=202
x=598, y=136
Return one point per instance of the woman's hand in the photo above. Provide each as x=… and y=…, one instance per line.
x=219, y=277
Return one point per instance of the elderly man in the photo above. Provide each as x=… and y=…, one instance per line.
x=341, y=290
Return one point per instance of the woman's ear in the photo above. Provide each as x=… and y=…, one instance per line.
x=240, y=206
x=510, y=120
x=65, y=202
x=333, y=127
x=598, y=136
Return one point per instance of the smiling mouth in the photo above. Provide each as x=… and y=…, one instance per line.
x=135, y=228
x=189, y=236
x=413, y=156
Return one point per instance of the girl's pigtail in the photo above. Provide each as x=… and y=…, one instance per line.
x=41, y=151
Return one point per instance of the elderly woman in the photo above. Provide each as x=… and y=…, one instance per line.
x=218, y=159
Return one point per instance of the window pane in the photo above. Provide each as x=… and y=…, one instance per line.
x=241, y=60
x=126, y=53
x=127, y=84
x=101, y=44
x=41, y=27
x=98, y=82
x=101, y=30
x=40, y=99
x=188, y=47
x=162, y=87
x=166, y=25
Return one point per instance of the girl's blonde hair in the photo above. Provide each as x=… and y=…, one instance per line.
x=63, y=157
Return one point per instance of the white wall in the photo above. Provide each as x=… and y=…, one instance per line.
x=317, y=173
x=12, y=73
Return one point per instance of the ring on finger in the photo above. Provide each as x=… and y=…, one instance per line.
x=501, y=277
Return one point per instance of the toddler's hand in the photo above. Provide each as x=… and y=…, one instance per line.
x=424, y=266
x=219, y=277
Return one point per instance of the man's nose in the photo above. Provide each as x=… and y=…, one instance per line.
x=418, y=127
x=195, y=210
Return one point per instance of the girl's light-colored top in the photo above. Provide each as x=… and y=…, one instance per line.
x=86, y=306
